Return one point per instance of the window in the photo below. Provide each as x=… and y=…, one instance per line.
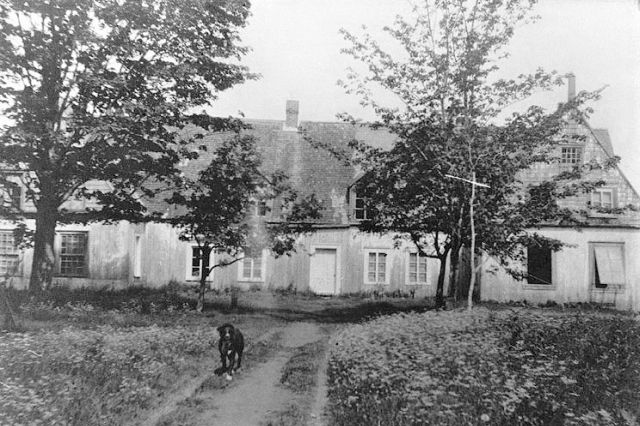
x=195, y=264
x=571, y=155
x=361, y=211
x=602, y=197
x=417, y=268
x=9, y=255
x=539, y=265
x=376, y=268
x=73, y=249
x=252, y=267
x=261, y=208
x=607, y=265
x=12, y=195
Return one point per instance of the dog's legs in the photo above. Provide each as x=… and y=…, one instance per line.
x=229, y=371
x=223, y=359
x=239, y=359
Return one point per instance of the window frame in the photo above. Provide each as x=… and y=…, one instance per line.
x=580, y=155
x=387, y=270
x=60, y=256
x=367, y=213
x=540, y=285
x=263, y=267
x=600, y=191
x=408, y=269
x=592, y=266
x=189, y=264
x=14, y=252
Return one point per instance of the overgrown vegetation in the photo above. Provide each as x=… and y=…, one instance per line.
x=484, y=367
x=100, y=376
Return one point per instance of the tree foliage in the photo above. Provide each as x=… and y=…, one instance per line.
x=217, y=209
x=458, y=121
x=98, y=90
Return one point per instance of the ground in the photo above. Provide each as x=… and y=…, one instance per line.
x=255, y=395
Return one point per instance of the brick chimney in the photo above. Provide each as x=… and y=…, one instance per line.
x=291, y=121
x=571, y=81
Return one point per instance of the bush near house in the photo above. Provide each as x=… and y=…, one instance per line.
x=516, y=367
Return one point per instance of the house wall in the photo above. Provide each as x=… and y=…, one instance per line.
x=293, y=271
x=165, y=258
x=571, y=271
x=108, y=259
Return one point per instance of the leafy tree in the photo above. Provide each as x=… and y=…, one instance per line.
x=455, y=126
x=98, y=90
x=215, y=208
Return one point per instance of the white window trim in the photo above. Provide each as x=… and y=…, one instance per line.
x=592, y=277
x=263, y=268
x=58, y=253
x=188, y=259
x=579, y=148
x=387, y=278
x=554, y=278
x=407, y=271
x=19, y=254
x=602, y=190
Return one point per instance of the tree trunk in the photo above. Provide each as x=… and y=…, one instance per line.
x=454, y=274
x=440, y=286
x=43, y=252
x=205, y=252
x=9, y=318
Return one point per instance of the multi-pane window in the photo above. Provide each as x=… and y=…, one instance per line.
x=377, y=267
x=417, y=268
x=251, y=267
x=607, y=265
x=73, y=253
x=9, y=255
x=571, y=155
x=361, y=211
x=196, y=262
x=539, y=265
x=602, y=197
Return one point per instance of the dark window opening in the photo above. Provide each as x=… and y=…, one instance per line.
x=538, y=265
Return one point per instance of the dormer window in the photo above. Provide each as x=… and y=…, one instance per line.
x=361, y=212
x=571, y=155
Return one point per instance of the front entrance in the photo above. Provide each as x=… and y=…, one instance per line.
x=322, y=272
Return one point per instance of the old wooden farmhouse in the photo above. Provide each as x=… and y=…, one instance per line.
x=600, y=265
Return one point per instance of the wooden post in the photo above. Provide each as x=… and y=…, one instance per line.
x=472, y=261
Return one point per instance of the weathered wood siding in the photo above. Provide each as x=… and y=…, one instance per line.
x=108, y=259
x=571, y=272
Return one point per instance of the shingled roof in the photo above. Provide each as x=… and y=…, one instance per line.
x=310, y=168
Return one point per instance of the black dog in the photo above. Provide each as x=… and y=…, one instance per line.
x=231, y=344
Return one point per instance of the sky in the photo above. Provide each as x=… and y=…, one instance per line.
x=296, y=50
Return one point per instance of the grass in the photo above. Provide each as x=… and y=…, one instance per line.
x=503, y=367
x=103, y=357
x=300, y=371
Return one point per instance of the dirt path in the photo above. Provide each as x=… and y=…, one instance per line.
x=254, y=395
